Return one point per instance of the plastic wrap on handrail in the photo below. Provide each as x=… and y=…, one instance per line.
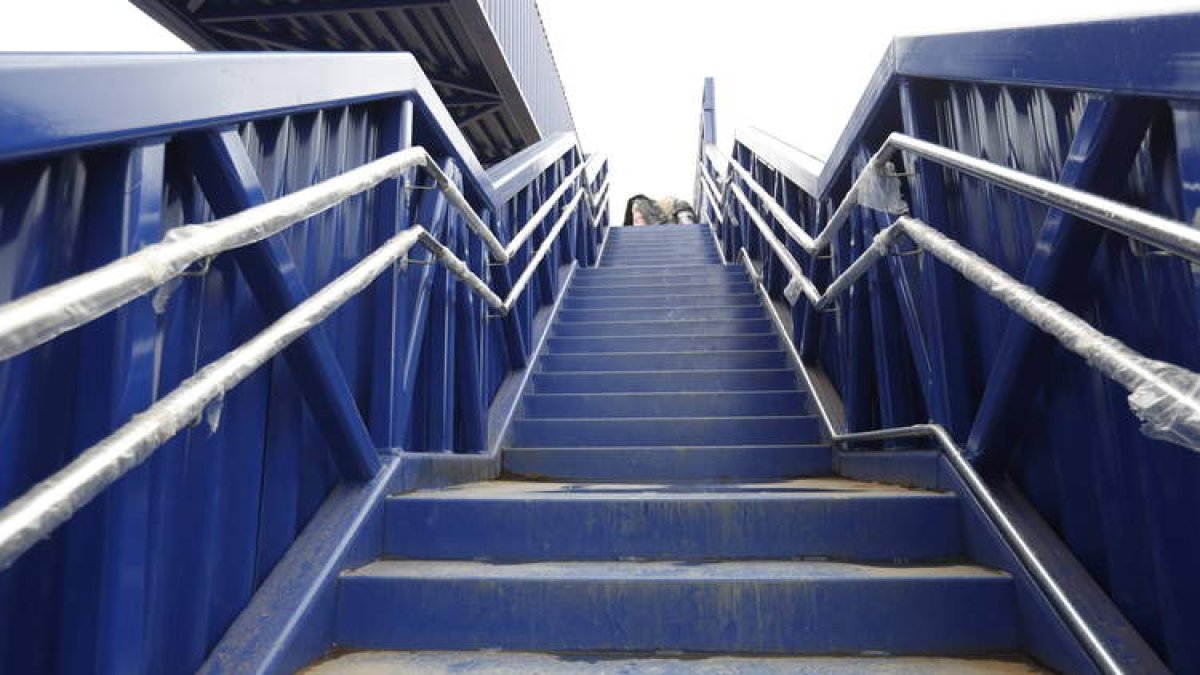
x=41, y=316
x=1165, y=397
x=879, y=189
x=37, y=513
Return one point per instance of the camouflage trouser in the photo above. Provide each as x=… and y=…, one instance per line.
x=667, y=210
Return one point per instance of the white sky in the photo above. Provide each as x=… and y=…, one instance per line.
x=633, y=69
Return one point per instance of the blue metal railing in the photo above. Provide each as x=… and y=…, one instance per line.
x=410, y=363
x=912, y=342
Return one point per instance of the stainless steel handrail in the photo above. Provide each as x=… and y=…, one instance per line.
x=1155, y=381
x=36, y=318
x=50, y=503
x=1162, y=394
x=1169, y=235
x=1099, y=652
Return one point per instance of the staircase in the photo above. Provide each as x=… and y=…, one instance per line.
x=668, y=498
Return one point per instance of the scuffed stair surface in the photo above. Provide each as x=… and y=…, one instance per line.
x=830, y=518
x=511, y=663
x=755, y=607
x=670, y=506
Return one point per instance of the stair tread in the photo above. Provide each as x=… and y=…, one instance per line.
x=707, y=322
x=606, y=448
x=520, y=663
x=567, y=338
x=743, y=419
x=796, y=489
x=671, y=371
x=809, y=571
x=707, y=352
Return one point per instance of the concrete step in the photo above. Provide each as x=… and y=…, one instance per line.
x=674, y=343
x=723, y=360
x=805, y=518
x=671, y=464
x=664, y=381
x=658, y=275
x=585, y=301
x=632, y=287
x=649, y=262
x=759, y=607
x=592, y=273
x=663, y=291
x=661, y=328
x=687, y=404
x=674, y=431
x=727, y=313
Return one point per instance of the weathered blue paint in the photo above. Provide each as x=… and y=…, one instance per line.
x=782, y=520
x=186, y=540
x=817, y=607
x=1052, y=102
x=229, y=181
x=658, y=365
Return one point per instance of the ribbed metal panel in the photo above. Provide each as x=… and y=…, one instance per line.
x=518, y=26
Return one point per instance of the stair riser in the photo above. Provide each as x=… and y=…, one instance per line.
x=656, y=277
x=661, y=328
x=674, y=269
x=690, y=301
x=682, y=251
x=714, y=381
x=723, y=404
x=953, y=616
x=645, y=243
x=885, y=529
x=634, y=289
x=566, y=433
x=667, y=464
x=663, y=314
x=678, y=251
x=658, y=261
x=661, y=361
x=612, y=344
x=617, y=284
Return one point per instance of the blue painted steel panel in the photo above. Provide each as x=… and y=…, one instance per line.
x=1019, y=98
x=519, y=30
x=149, y=577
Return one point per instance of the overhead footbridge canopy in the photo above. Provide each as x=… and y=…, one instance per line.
x=489, y=60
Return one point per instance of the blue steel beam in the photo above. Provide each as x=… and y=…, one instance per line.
x=117, y=370
x=1171, y=511
x=889, y=321
x=1109, y=134
x=514, y=335
x=1146, y=56
x=852, y=315
x=391, y=319
x=432, y=213
x=438, y=359
x=226, y=174
x=44, y=91
x=818, y=269
x=469, y=387
x=126, y=564
x=947, y=394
